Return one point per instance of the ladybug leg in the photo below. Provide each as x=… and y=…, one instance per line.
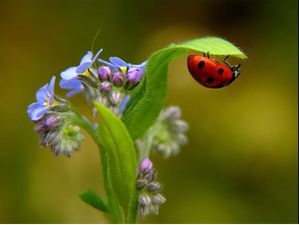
x=206, y=54
x=226, y=62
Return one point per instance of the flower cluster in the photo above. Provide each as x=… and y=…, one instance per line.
x=55, y=132
x=167, y=135
x=49, y=113
x=172, y=133
x=150, y=197
x=109, y=83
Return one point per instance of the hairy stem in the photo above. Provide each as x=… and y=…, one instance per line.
x=84, y=123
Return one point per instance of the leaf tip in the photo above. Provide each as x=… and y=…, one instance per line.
x=93, y=199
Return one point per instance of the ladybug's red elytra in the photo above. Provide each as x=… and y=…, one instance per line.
x=211, y=73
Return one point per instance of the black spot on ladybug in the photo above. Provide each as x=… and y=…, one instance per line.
x=201, y=64
x=220, y=71
x=210, y=80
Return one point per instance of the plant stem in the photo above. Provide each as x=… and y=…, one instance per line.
x=116, y=214
x=84, y=123
x=145, y=147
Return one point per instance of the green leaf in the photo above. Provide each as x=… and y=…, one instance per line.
x=120, y=165
x=93, y=199
x=214, y=46
x=149, y=97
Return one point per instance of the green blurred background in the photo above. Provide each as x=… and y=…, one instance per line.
x=240, y=165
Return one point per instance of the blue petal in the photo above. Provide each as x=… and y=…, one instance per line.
x=143, y=65
x=73, y=92
x=82, y=68
x=107, y=63
x=31, y=107
x=69, y=73
x=36, y=111
x=96, y=56
x=74, y=85
x=118, y=62
x=86, y=58
x=51, y=86
x=50, y=90
x=70, y=84
x=124, y=103
x=42, y=95
x=52, y=82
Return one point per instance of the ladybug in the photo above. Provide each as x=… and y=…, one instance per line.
x=211, y=73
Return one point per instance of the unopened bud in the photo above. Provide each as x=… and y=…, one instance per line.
x=154, y=187
x=144, y=210
x=115, y=97
x=105, y=87
x=141, y=183
x=134, y=75
x=146, y=165
x=144, y=200
x=52, y=121
x=154, y=209
x=158, y=199
x=117, y=79
x=103, y=100
x=104, y=73
x=172, y=112
x=181, y=125
x=150, y=176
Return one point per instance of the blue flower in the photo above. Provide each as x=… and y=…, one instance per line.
x=69, y=76
x=116, y=63
x=85, y=64
x=44, y=101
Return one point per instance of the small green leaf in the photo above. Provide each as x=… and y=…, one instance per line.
x=120, y=165
x=93, y=199
x=214, y=46
x=149, y=97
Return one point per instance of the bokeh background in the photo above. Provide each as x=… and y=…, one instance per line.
x=240, y=165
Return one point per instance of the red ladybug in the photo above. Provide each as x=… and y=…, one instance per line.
x=211, y=73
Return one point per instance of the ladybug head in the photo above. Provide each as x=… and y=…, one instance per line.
x=236, y=70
